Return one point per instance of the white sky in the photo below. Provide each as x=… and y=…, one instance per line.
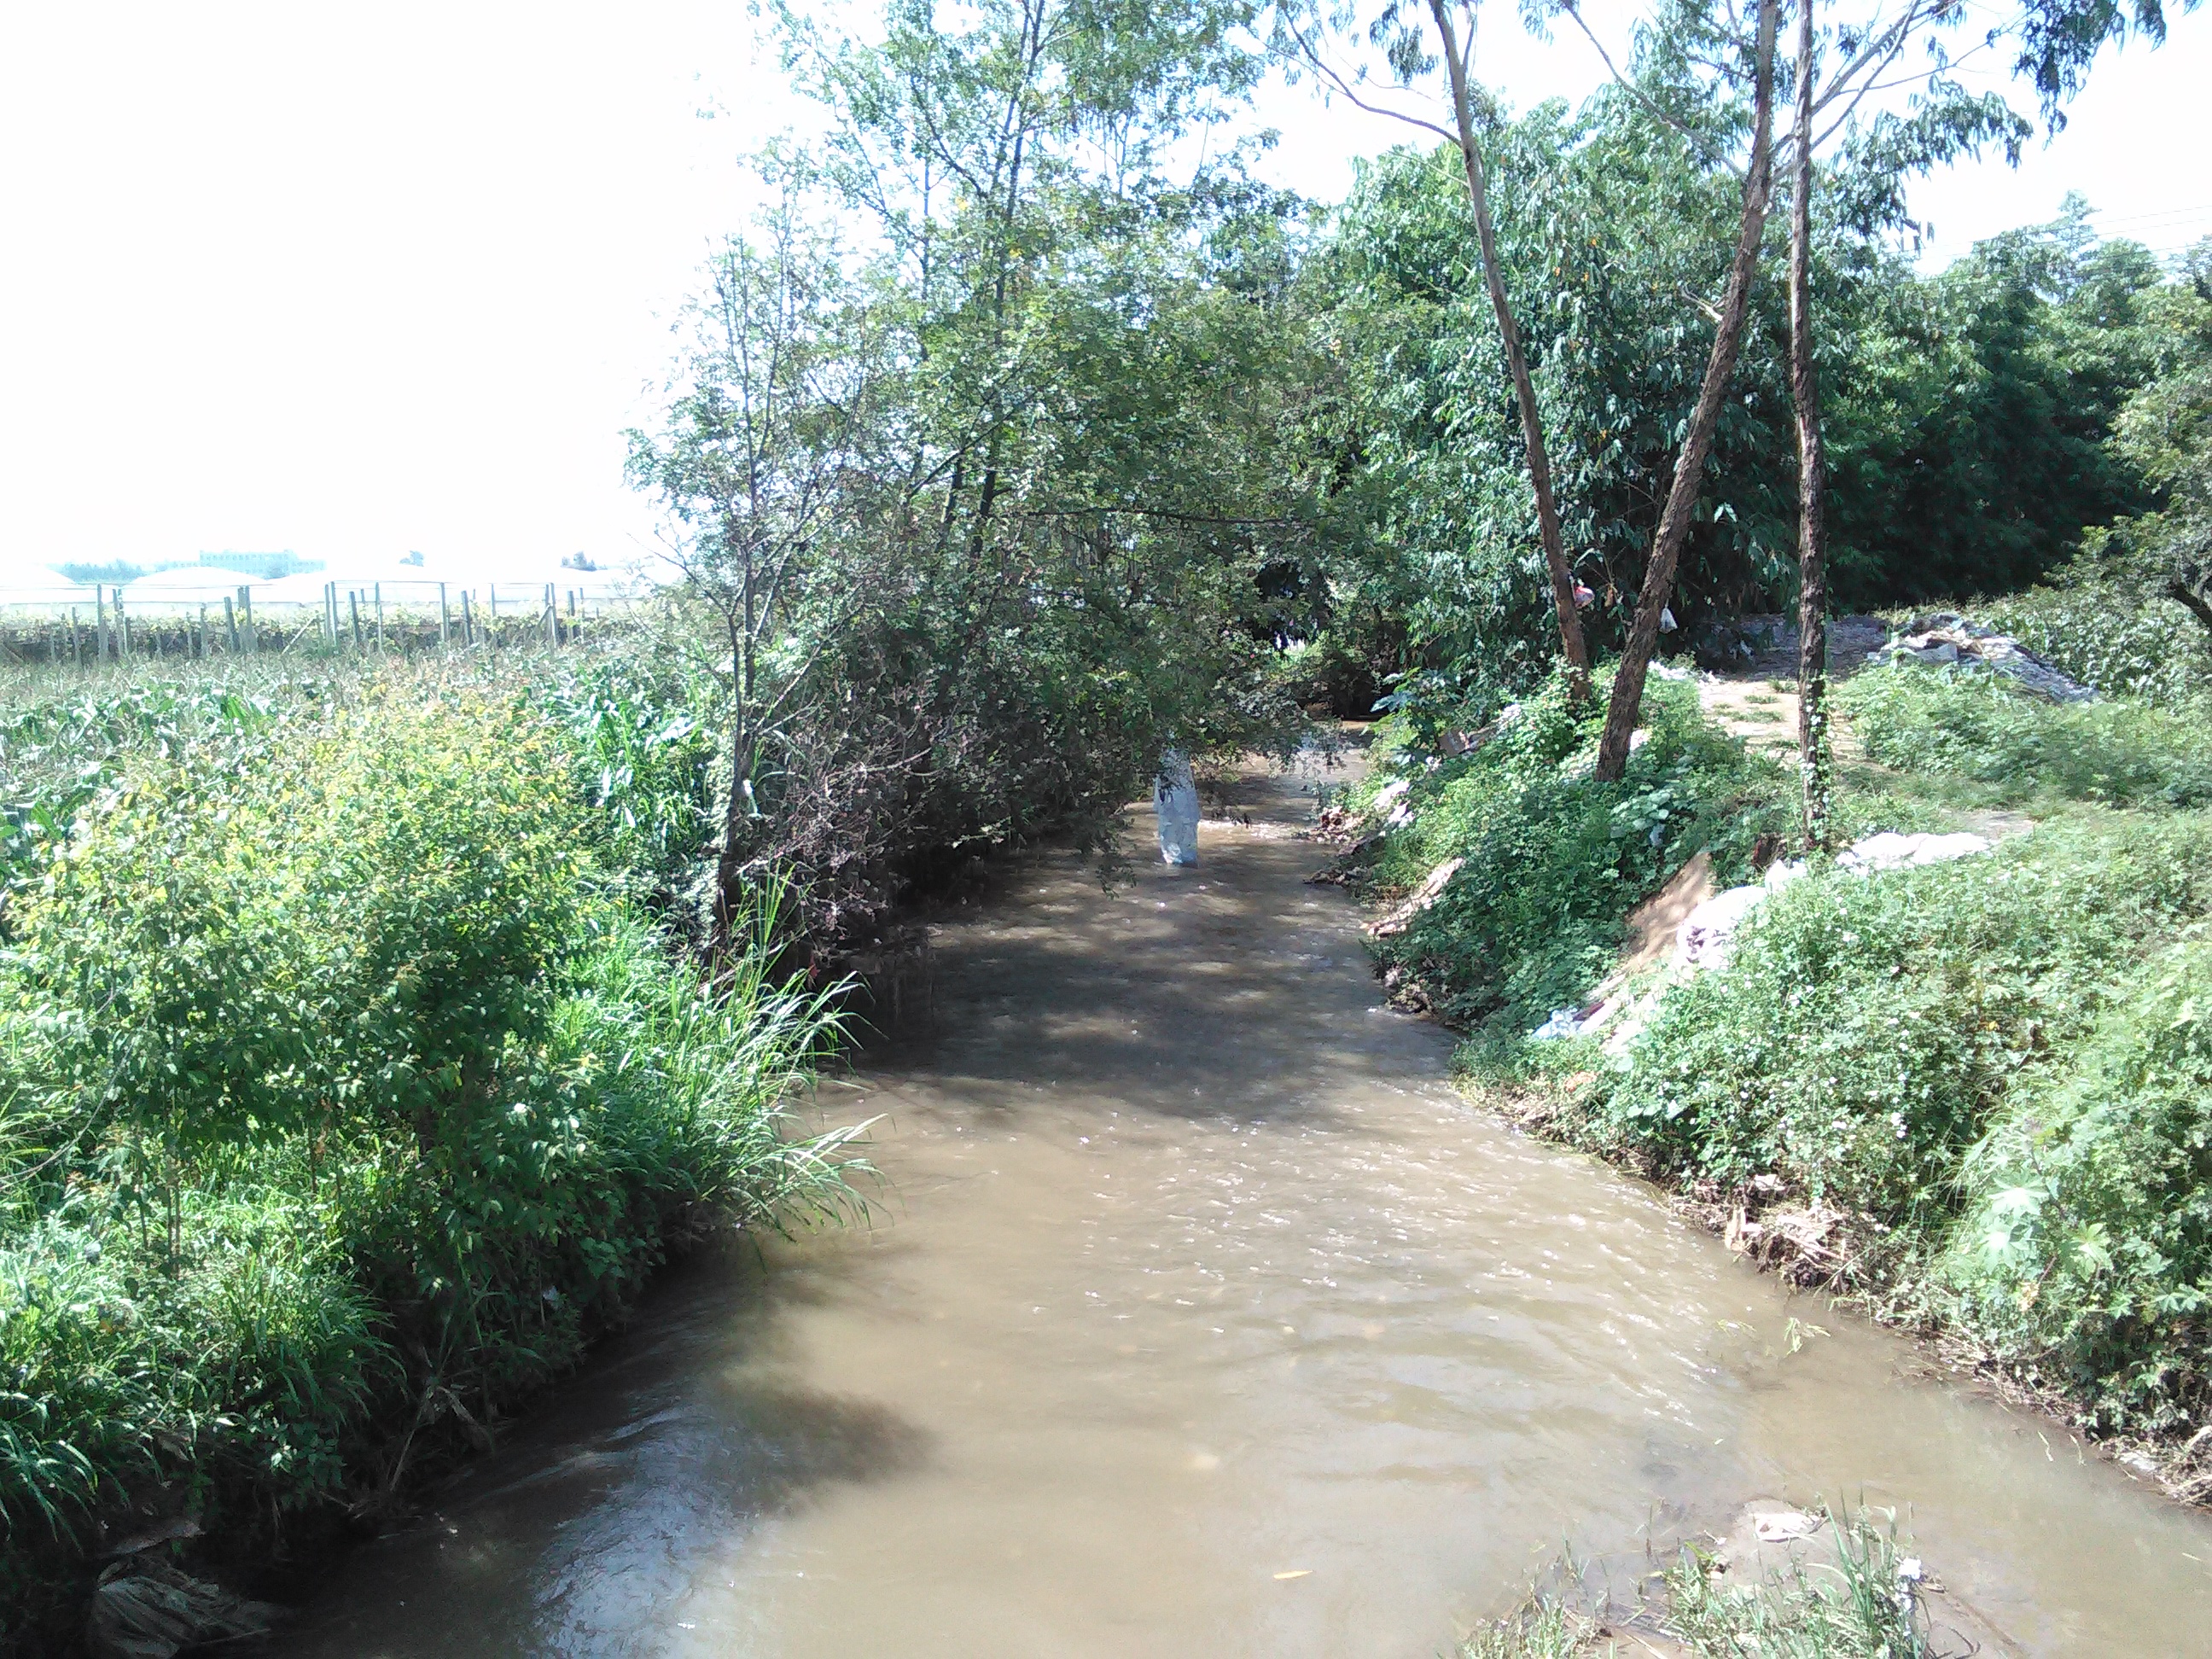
x=356, y=280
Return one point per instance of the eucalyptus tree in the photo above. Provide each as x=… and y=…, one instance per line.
x=1862, y=56
x=1301, y=33
x=1737, y=59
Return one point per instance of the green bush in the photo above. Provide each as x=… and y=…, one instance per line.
x=2085, y=1256
x=1980, y=727
x=1867, y=1030
x=641, y=738
x=342, y=1098
x=2120, y=635
x=1555, y=861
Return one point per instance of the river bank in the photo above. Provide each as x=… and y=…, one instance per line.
x=1203, y=1314
x=353, y=1088
x=1958, y=1076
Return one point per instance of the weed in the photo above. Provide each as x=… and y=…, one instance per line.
x=1553, y=860
x=1980, y=727
x=349, y=1091
x=1854, y=1599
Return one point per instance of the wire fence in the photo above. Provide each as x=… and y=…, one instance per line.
x=83, y=627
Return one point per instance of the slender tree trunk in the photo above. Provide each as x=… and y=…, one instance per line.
x=1531, y=427
x=1032, y=28
x=729, y=878
x=1815, y=758
x=1627, y=702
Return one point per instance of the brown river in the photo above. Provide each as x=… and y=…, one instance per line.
x=1200, y=1315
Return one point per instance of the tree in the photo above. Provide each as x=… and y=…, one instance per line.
x=1816, y=757
x=761, y=449
x=1947, y=121
x=1402, y=42
x=985, y=500
x=1628, y=701
x=2165, y=431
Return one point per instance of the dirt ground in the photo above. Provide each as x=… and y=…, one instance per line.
x=1758, y=703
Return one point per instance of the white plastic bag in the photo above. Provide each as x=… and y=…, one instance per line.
x=1174, y=800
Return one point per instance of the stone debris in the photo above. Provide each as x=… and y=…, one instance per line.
x=1948, y=640
x=1891, y=851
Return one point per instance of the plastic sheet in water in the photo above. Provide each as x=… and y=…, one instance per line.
x=1174, y=801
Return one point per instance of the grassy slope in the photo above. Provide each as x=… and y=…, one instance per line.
x=1994, y=1071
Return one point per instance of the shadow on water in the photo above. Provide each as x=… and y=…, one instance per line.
x=673, y=1444
x=1227, y=990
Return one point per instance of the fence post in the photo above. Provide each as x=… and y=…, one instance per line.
x=353, y=606
x=100, y=626
x=246, y=620
x=376, y=591
x=468, y=622
x=230, y=624
x=445, y=620
x=199, y=648
x=122, y=630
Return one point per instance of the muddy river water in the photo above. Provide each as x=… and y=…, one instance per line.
x=1199, y=1315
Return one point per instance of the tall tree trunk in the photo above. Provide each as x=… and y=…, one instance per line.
x=2186, y=587
x=729, y=859
x=1815, y=758
x=1532, y=428
x=1627, y=702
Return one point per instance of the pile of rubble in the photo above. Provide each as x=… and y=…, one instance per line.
x=1948, y=640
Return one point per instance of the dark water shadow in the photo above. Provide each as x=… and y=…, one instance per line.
x=666, y=1449
x=1172, y=995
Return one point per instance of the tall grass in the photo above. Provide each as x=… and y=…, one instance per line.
x=2084, y=1253
x=1852, y=1603
x=2114, y=631
x=346, y=1091
x=1867, y=1031
x=1553, y=860
x=1981, y=728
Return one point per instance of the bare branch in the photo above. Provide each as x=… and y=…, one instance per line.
x=1323, y=66
x=1698, y=140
